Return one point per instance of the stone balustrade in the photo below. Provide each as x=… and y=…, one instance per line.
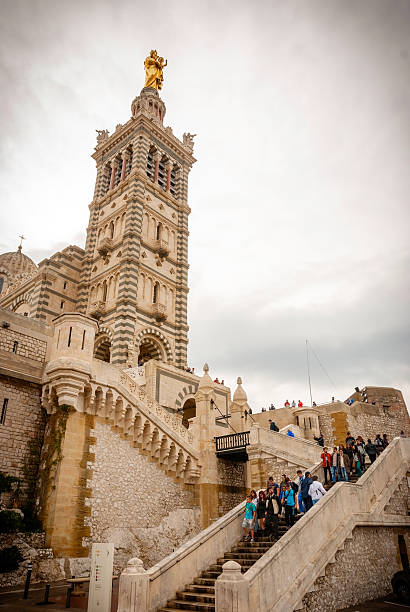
x=127, y=407
x=265, y=445
x=279, y=580
x=158, y=584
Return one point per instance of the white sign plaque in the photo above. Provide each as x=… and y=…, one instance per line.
x=99, y=596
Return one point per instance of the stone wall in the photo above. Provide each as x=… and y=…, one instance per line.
x=231, y=484
x=364, y=420
x=362, y=570
x=27, y=345
x=388, y=421
x=399, y=501
x=23, y=428
x=134, y=504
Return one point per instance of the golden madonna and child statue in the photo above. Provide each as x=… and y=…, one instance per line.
x=154, y=66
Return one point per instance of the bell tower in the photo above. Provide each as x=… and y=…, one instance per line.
x=134, y=280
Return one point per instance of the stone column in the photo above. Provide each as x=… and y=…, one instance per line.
x=113, y=170
x=231, y=589
x=168, y=168
x=124, y=164
x=133, y=595
x=238, y=407
x=156, y=157
x=205, y=417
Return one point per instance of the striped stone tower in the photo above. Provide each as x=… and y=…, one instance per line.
x=134, y=279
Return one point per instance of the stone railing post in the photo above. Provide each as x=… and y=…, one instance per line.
x=231, y=589
x=133, y=595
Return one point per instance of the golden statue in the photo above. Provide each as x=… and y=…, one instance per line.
x=154, y=66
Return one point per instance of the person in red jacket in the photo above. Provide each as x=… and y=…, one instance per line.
x=300, y=404
x=326, y=463
x=287, y=404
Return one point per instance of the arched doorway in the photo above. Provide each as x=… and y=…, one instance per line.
x=188, y=411
x=149, y=349
x=102, y=348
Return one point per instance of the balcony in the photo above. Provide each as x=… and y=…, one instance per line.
x=161, y=247
x=159, y=312
x=105, y=246
x=97, y=309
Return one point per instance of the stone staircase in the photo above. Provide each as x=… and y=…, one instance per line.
x=200, y=595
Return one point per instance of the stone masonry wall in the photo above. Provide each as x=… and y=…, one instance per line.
x=372, y=549
x=399, y=501
x=24, y=424
x=134, y=504
x=231, y=484
x=389, y=421
x=27, y=346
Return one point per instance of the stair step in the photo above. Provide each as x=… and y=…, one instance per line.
x=205, y=581
x=210, y=574
x=190, y=605
x=194, y=596
x=242, y=555
x=201, y=588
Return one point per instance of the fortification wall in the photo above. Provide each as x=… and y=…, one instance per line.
x=21, y=429
x=231, y=484
x=134, y=504
x=362, y=419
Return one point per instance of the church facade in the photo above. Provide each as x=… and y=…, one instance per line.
x=99, y=412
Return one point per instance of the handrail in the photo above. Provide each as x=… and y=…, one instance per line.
x=232, y=441
x=330, y=521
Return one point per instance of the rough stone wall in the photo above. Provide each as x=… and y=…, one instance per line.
x=27, y=346
x=372, y=549
x=326, y=427
x=231, y=484
x=389, y=421
x=399, y=501
x=23, y=427
x=134, y=504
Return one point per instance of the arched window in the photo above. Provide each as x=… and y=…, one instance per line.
x=105, y=182
x=150, y=165
x=129, y=162
x=162, y=174
x=155, y=293
x=111, y=229
x=118, y=167
x=104, y=291
x=1, y=283
x=159, y=231
x=173, y=184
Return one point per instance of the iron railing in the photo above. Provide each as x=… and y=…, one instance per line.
x=232, y=441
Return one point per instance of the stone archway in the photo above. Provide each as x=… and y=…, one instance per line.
x=149, y=348
x=188, y=411
x=102, y=347
x=156, y=345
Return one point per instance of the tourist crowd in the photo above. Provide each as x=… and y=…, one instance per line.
x=292, y=497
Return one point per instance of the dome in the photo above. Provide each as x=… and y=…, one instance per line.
x=16, y=263
x=15, y=269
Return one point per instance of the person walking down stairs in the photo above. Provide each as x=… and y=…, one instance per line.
x=248, y=523
x=316, y=490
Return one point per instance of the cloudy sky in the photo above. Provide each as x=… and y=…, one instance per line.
x=300, y=196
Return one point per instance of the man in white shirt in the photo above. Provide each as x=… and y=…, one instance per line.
x=316, y=490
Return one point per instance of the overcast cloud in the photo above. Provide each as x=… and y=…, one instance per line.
x=300, y=216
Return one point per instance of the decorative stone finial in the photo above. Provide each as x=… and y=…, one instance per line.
x=134, y=566
x=206, y=380
x=239, y=397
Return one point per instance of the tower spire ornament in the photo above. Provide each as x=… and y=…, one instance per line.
x=21, y=242
x=154, y=66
